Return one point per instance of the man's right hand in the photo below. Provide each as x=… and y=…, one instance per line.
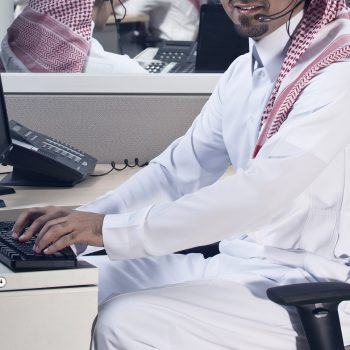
x=32, y=220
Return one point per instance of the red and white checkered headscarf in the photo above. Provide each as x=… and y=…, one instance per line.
x=318, y=15
x=52, y=35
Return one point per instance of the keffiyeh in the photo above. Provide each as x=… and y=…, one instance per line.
x=319, y=14
x=52, y=36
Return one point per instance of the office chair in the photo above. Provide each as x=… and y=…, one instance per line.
x=317, y=306
x=207, y=250
x=316, y=303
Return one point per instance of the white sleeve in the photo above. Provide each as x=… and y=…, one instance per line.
x=286, y=165
x=100, y=61
x=182, y=168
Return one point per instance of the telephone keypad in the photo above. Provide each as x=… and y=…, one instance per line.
x=171, y=56
x=65, y=151
x=155, y=67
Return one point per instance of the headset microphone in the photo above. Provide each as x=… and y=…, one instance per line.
x=266, y=19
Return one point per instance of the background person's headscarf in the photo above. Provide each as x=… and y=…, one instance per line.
x=317, y=16
x=52, y=35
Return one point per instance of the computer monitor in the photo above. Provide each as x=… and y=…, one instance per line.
x=5, y=139
x=218, y=43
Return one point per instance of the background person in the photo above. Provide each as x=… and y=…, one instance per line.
x=56, y=36
x=169, y=20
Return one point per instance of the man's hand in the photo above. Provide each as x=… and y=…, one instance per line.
x=58, y=228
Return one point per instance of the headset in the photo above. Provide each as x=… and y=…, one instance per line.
x=265, y=18
x=117, y=20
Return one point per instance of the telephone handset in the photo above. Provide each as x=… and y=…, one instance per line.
x=39, y=160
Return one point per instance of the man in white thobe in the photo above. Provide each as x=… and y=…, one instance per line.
x=169, y=19
x=279, y=116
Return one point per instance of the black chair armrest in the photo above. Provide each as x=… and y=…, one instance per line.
x=317, y=305
x=310, y=293
x=207, y=250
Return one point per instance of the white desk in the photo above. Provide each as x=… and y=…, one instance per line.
x=130, y=19
x=83, y=192
x=48, y=310
x=51, y=310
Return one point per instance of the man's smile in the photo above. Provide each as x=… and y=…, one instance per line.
x=248, y=9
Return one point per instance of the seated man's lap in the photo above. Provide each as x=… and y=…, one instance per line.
x=207, y=314
x=174, y=302
x=122, y=276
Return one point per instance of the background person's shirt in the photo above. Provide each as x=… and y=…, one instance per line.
x=100, y=61
x=169, y=19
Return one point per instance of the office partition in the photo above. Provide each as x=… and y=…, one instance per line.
x=109, y=117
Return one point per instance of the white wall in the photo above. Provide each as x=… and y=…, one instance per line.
x=6, y=16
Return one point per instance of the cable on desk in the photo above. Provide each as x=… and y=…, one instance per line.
x=126, y=165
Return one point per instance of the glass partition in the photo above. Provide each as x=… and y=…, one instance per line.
x=100, y=36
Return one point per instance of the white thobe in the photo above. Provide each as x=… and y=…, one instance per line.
x=169, y=19
x=282, y=217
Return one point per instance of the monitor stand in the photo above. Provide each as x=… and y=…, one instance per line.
x=24, y=177
x=5, y=190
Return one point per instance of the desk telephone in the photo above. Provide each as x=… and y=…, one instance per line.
x=39, y=160
x=173, y=57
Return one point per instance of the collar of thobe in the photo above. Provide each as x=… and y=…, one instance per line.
x=269, y=52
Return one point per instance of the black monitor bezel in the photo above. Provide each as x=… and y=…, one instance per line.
x=214, y=55
x=7, y=149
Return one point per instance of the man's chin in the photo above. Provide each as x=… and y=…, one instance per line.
x=254, y=32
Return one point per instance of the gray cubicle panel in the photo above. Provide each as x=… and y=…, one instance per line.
x=109, y=117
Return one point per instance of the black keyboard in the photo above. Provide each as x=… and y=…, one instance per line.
x=19, y=256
